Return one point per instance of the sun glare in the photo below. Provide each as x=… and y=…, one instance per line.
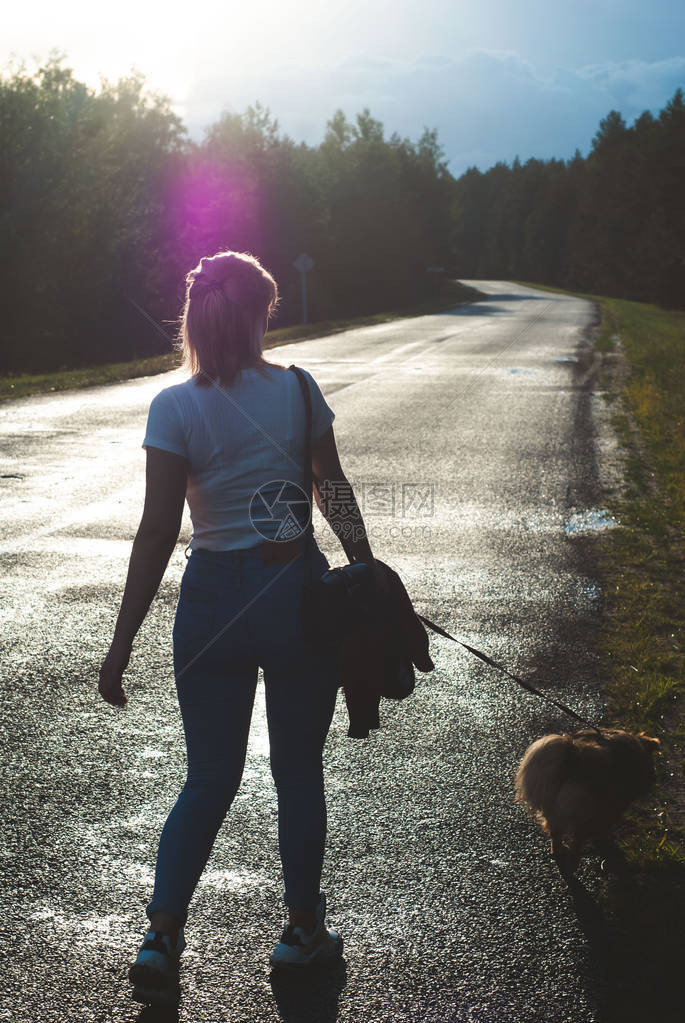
x=175, y=46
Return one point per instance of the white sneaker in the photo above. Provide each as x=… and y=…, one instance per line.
x=297, y=948
x=154, y=974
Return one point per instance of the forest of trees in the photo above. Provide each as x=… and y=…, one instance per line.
x=105, y=204
x=612, y=223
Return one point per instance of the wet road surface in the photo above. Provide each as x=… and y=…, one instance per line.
x=469, y=439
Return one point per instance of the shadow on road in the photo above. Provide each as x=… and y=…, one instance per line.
x=635, y=932
x=151, y=1014
x=645, y=951
x=488, y=306
x=311, y=995
x=478, y=309
x=507, y=297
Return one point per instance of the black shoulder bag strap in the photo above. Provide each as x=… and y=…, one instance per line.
x=308, y=480
x=308, y=477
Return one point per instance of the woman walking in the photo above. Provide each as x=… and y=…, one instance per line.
x=231, y=440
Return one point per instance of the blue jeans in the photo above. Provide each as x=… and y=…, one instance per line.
x=234, y=614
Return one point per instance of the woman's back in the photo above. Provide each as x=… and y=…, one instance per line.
x=245, y=449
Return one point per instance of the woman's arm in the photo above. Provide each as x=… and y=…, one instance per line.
x=165, y=491
x=336, y=500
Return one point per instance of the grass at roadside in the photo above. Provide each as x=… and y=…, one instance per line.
x=643, y=562
x=641, y=565
x=22, y=385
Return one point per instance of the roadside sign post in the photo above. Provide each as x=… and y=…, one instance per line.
x=304, y=264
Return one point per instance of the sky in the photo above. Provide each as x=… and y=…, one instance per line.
x=497, y=78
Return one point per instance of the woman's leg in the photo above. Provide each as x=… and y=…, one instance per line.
x=300, y=701
x=301, y=691
x=216, y=685
x=216, y=720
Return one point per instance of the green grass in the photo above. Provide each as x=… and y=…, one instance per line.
x=22, y=385
x=642, y=563
x=641, y=566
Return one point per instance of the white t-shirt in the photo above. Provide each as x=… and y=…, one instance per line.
x=245, y=448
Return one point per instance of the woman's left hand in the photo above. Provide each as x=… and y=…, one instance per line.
x=381, y=579
x=113, y=667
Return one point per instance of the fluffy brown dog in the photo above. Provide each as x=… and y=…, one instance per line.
x=578, y=786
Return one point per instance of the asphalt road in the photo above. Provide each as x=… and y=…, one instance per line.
x=469, y=438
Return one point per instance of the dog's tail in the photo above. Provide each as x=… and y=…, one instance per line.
x=544, y=767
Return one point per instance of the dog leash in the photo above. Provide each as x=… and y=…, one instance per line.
x=515, y=678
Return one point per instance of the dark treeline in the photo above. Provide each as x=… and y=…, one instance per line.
x=105, y=204
x=612, y=223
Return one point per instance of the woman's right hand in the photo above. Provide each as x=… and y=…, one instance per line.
x=113, y=667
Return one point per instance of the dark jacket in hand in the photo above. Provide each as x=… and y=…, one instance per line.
x=379, y=659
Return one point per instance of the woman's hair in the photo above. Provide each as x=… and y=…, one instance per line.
x=228, y=298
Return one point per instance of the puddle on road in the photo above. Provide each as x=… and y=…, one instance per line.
x=81, y=547
x=84, y=930
x=591, y=520
x=234, y=880
x=90, y=923
x=543, y=519
x=151, y=754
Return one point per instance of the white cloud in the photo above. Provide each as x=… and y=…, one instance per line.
x=638, y=84
x=487, y=105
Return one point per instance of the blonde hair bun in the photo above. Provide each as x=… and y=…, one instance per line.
x=229, y=298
